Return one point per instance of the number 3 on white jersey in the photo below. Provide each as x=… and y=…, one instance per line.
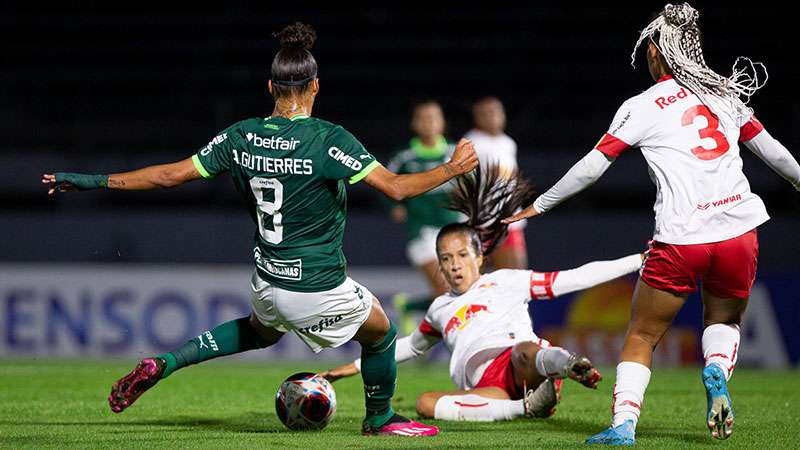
x=270, y=224
x=710, y=131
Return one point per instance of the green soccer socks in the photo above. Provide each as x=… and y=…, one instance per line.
x=228, y=338
x=379, y=371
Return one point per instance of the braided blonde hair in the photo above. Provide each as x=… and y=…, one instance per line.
x=676, y=35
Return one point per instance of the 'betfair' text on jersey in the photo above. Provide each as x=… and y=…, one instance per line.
x=272, y=142
x=260, y=163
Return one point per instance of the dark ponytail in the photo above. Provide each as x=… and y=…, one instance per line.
x=294, y=67
x=486, y=196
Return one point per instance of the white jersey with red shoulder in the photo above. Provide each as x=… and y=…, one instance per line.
x=491, y=316
x=693, y=158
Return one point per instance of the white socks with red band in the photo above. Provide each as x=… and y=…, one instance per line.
x=551, y=362
x=474, y=408
x=632, y=381
x=721, y=345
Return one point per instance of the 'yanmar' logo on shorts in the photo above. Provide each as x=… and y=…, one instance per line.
x=323, y=323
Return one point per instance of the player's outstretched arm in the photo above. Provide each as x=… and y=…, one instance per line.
x=152, y=177
x=776, y=156
x=399, y=187
x=582, y=175
x=409, y=347
x=584, y=277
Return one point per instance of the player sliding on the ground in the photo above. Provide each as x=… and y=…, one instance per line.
x=687, y=126
x=290, y=168
x=503, y=370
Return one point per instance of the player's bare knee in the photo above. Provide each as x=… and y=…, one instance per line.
x=379, y=321
x=375, y=328
x=426, y=405
x=523, y=355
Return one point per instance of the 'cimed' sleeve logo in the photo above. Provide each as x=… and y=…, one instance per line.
x=345, y=159
x=216, y=141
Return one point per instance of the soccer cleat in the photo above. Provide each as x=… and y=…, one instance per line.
x=541, y=402
x=623, y=434
x=719, y=417
x=580, y=369
x=399, y=426
x=130, y=387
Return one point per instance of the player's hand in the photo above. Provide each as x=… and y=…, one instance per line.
x=68, y=181
x=347, y=370
x=464, y=158
x=530, y=211
x=56, y=185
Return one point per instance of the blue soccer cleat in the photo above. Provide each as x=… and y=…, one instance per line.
x=623, y=434
x=719, y=417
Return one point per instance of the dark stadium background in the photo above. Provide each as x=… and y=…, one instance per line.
x=108, y=89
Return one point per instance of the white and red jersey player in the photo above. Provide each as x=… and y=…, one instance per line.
x=492, y=316
x=693, y=159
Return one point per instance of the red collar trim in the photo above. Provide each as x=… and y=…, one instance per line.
x=664, y=78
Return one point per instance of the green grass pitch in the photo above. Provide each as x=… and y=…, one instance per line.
x=52, y=404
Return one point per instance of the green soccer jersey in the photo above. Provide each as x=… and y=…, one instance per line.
x=291, y=174
x=429, y=209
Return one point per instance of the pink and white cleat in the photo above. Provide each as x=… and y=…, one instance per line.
x=400, y=426
x=130, y=387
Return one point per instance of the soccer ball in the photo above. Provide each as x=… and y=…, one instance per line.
x=305, y=401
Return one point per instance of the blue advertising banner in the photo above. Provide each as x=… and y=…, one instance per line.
x=120, y=311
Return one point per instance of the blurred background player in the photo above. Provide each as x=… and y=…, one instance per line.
x=494, y=146
x=423, y=215
x=687, y=126
x=502, y=369
x=290, y=168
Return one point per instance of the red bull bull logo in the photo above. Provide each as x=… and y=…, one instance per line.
x=462, y=317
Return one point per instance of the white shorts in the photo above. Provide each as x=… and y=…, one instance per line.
x=320, y=319
x=422, y=250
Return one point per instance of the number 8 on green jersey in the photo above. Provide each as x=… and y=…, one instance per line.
x=291, y=174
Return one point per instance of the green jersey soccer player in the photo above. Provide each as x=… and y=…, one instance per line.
x=291, y=170
x=423, y=215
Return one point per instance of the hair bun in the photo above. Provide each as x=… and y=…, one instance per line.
x=297, y=35
x=680, y=15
